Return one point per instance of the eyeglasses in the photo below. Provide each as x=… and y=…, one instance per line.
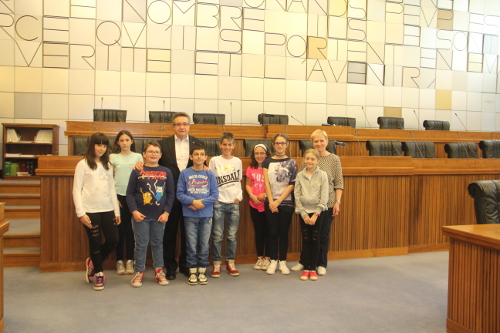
x=181, y=124
x=199, y=155
x=280, y=143
x=152, y=152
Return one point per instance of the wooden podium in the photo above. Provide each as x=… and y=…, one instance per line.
x=474, y=278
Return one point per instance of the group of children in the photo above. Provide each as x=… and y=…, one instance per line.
x=131, y=205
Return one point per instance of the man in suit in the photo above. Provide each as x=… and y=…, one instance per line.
x=175, y=156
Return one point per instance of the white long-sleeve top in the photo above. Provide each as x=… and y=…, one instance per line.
x=94, y=190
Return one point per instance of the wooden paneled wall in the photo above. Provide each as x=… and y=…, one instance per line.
x=390, y=206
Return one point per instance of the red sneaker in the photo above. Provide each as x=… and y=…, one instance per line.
x=215, y=271
x=313, y=276
x=231, y=268
x=304, y=276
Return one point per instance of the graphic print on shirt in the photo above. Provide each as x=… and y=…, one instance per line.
x=197, y=184
x=155, y=190
x=226, y=175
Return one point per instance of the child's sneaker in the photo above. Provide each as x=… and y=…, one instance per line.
x=258, y=264
x=321, y=270
x=202, y=278
x=284, y=270
x=304, y=276
x=100, y=280
x=266, y=261
x=137, y=280
x=272, y=267
x=160, y=277
x=120, y=267
x=89, y=271
x=215, y=271
x=297, y=267
x=193, y=278
x=231, y=268
x=129, y=267
x=313, y=276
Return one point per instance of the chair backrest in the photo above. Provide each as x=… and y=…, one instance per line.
x=212, y=146
x=342, y=121
x=490, y=148
x=80, y=144
x=486, y=194
x=384, y=147
x=419, y=149
x=306, y=144
x=461, y=150
x=209, y=118
x=391, y=123
x=267, y=118
x=248, y=145
x=110, y=115
x=160, y=116
x=437, y=125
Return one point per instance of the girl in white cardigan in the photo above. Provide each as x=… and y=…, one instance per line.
x=96, y=205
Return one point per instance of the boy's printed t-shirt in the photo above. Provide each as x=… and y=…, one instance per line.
x=195, y=185
x=229, y=174
x=281, y=173
x=258, y=187
x=151, y=191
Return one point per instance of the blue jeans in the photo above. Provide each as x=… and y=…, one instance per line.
x=233, y=221
x=197, y=236
x=145, y=232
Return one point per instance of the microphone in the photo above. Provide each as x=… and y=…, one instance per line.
x=163, y=105
x=416, y=144
x=298, y=121
x=366, y=117
x=359, y=143
x=461, y=122
x=102, y=101
x=418, y=121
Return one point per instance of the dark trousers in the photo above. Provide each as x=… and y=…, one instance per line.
x=324, y=237
x=310, y=243
x=101, y=223
x=279, y=225
x=261, y=232
x=170, y=239
x=125, y=233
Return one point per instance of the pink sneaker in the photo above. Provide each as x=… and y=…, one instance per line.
x=89, y=270
x=99, y=282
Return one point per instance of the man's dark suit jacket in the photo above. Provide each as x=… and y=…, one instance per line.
x=168, y=158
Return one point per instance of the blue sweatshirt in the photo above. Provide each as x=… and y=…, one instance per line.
x=194, y=185
x=151, y=191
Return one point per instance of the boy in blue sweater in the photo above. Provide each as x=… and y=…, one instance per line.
x=197, y=190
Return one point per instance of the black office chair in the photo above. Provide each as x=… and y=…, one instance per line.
x=419, y=149
x=342, y=121
x=486, y=194
x=110, y=115
x=212, y=146
x=275, y=119
x=490, y=148
x=209, y=118
x=461, y=150
x=391, y=123
x=437, y=125
x=384, y=147
x=160, y=116
x=306, y=144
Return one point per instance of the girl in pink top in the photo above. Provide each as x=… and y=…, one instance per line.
x=256, y=190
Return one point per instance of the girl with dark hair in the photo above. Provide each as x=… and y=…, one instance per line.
x=96, y=205
x=123, y=160
x=279, y=176
x=256, y=190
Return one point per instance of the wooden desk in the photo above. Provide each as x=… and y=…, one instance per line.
x=474, y=278
x=390, y=206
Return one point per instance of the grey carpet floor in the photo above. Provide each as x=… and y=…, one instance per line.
x=389, y=294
